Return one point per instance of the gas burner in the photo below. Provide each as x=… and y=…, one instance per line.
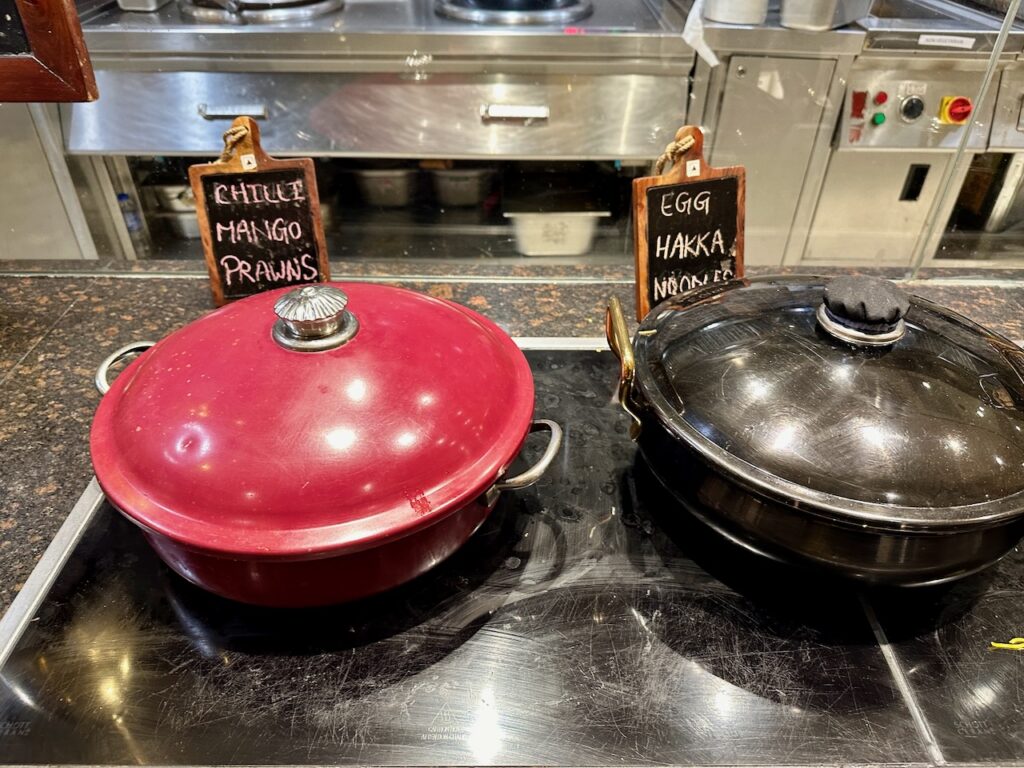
x=515, y=11
x=256, y=11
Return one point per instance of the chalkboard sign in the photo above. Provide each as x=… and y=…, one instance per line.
x=688, y=226
x=13, y=41
x=259, y=218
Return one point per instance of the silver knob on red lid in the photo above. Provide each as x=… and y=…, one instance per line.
x=314, y=318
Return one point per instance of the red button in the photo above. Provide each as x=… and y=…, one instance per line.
x=960, y=109
x=881, y=97
x=857, y=101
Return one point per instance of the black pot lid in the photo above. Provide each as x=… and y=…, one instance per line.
x=847, y=397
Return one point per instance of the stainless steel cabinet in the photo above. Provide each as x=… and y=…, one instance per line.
x=771, y=112
x=565, y=116
x=874, y=206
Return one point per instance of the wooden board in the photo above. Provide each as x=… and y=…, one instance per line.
x=259, y=219
x=42, y=53
x=688, y=226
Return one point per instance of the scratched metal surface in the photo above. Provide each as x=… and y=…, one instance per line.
x=587, y=623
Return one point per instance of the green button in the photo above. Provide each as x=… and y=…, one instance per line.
x=878, y=118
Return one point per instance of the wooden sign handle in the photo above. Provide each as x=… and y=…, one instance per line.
x=687, y=146
x=242, y=150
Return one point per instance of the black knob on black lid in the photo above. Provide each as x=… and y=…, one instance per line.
x=864, y=310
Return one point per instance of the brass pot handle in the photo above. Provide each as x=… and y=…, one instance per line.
x=618, y=339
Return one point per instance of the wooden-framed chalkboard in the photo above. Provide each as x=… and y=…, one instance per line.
x=259, y=218
x=42, y=53
x=688, y=224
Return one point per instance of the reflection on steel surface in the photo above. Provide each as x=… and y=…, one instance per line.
x=515, y=12
x=260, y=12
x=386, y=114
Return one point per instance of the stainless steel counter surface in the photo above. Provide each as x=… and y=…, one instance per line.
x=773, y=39
x=383, y=30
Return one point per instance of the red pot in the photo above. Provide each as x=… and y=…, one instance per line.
x=315, y=445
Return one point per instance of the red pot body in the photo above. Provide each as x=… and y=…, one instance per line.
x=284, y=583
x=285, y=477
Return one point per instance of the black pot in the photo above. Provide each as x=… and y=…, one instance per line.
x=841, y=424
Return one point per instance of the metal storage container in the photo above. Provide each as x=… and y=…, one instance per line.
x=819, y=15
x=461, y=186
x=737, y=11
x=147, y=6
x=386, y=187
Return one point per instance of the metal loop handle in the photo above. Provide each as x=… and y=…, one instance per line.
x=527, y=112
x=534, y=473
x=102, y=384
x=231, y=111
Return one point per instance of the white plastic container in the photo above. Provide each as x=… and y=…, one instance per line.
x=820, y=15
x=555, y=234
x=736, y=11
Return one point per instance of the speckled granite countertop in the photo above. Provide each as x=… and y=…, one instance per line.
x=58, y=321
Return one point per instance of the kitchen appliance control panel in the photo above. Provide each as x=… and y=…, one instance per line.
x=913, y=109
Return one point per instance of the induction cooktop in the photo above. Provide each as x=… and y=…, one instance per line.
x=588, y=622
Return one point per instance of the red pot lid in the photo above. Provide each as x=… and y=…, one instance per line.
x=229, y=436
